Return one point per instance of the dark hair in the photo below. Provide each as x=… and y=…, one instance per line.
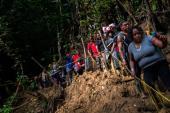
x=130, y=33
x=119, y=25
x=92, y=38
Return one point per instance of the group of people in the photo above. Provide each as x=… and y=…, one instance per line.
x=131, y=47
x=62, y=74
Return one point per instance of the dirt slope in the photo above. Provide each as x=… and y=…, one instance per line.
x=100, y=92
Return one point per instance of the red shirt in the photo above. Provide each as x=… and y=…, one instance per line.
x=75, y=58
x=91, y=46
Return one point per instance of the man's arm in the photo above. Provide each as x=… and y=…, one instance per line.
x=120, y=46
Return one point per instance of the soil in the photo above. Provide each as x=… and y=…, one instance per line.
x=92, y=92
x=41, y=101
x=100, y=92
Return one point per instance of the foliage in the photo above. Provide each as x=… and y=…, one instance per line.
x=23, y=80
x=7, y=107
x=91, y=13
x=26, y=83
x=30, y=27
x=154, y=5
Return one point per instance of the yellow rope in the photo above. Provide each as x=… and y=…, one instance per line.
x=135, y=77
x=144, y=82
x=153, y=89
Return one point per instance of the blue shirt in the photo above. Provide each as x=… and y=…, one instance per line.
x=147, y=54
x=68, y=63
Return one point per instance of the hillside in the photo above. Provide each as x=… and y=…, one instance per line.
x=100, y=92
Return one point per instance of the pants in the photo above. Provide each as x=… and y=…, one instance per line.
x=115, y=59
x=159, y=69
x=69, y=76
x=151, y=74
x=87, y=64
x=138, y=83
x=98, y=62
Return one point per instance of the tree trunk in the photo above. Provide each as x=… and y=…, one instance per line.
x=160, y=5
x=59, y=48
x=166, y=3
x=85, y=55
x=130, y=6
x=151, y=16
x=130, y=14
x=58, y=34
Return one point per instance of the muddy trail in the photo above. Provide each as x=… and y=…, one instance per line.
x=92, y=92
x=105, y=92
x=100, y=92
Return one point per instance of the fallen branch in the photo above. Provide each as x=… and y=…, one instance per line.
x=37, y=62
x=7, y=84
x=15, y=108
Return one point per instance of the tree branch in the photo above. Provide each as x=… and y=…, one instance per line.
x=130, y=14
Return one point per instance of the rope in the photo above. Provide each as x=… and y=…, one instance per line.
x=145, y=83
x=149, y=89
x=129, y=72
x=153, y=89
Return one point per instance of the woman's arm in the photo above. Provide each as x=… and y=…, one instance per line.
x=160, y=40
x=157, y=42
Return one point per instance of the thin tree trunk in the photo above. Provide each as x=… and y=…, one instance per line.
x=166, y=3
x=71, y=36
x=58, y=34
x=38, y=63
x=151, y=16
x=130, y=5
x=130, y=14
x=161, y=5
x=59, y=48
x=85, y=55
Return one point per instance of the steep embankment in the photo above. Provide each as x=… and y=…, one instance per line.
x=100, y=92
x=96, y=92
